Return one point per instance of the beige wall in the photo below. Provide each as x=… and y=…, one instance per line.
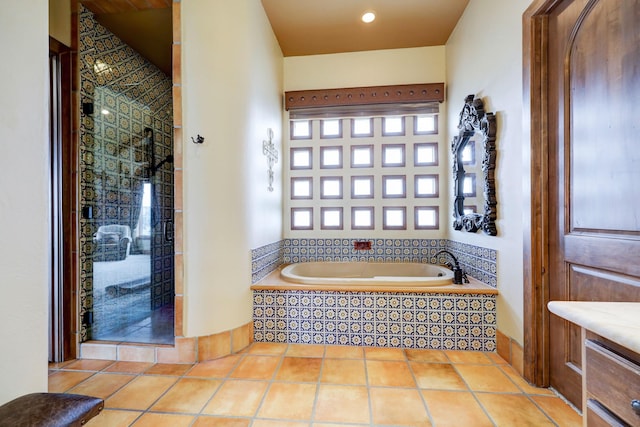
x=372, y=68
x=60, y=20
x=232, y=85
x=24, y=254
x=484, y=57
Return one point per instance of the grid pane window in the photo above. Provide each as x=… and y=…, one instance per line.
x=361, y=127
x=301, y=158
x=426, y=218
x=394, y=218
x=331, y=187
x=393, y=155
x=383, y=185
x=469, y=185
x=362, y=156
x=362, y=218
x=331, y=128
x=302, y=188
x=392, y=126
x=301, y=129
x=302, y=218
x=362, y=187
x=394, y=186
x=468, y=154
x=426, y=186
x=423, y=125
x=331, y=218
x=425, y=154
x=330, y=157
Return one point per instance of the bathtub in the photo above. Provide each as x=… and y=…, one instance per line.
x=366, y=274
x=374, y=304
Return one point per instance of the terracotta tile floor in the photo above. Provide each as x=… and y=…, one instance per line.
x=290, y=385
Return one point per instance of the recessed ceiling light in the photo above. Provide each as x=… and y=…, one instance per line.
x=368, y=17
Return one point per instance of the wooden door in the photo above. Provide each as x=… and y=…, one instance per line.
x=594, y=167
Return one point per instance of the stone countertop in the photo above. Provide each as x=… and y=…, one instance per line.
x=616, y=321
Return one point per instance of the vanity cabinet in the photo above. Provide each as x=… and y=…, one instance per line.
x=610, y=360
x=612, y=385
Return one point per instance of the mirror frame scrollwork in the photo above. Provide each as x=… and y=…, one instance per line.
x=473, y=119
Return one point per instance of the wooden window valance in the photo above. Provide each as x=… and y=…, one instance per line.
x=403, y=96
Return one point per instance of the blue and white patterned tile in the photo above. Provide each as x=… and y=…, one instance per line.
x=330, y=339
x=419, y=328
x=342, y=327
x=356, y=340
x=395, y=328
x=489, y=318
x=462, y=344
x=394, y=341
x=330, y=326
x=318, y=326
x=448, y=344
x=305, y=313
x=434, y=317
x=433, y=343
x=343, y=339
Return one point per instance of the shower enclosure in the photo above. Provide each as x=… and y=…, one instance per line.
x=126, y=193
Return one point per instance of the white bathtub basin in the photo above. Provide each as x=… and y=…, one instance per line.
x=367, y=273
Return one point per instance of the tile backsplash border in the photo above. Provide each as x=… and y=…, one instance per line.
x=478, y=262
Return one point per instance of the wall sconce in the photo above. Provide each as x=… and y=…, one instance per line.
x=269, y=149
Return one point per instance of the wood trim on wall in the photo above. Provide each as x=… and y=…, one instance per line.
x=67, y=198
x=394, y=94
x=536, y=222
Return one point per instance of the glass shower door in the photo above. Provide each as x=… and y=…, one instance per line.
x=126, y=192
x=128, y=178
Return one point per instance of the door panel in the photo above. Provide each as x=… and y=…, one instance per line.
x=594, y=49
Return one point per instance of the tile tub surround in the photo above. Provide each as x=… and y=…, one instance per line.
x=266, y=259
x=477, y=261
x=435, y=318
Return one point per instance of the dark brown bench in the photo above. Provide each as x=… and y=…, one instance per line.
x=50, y=410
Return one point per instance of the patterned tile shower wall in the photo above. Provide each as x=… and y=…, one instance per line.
x=385, y=319
x=121, y=95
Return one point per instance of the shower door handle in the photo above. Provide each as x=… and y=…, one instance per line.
x=168, y=231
